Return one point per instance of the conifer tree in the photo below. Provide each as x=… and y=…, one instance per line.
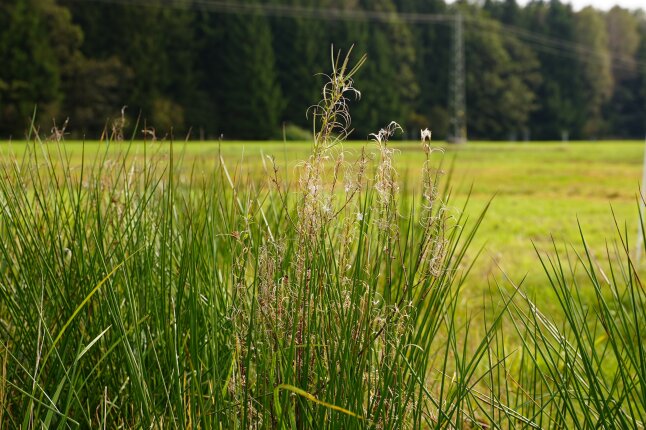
x=432, y=43
x=625, y=110
x=37, y=38
x=301, y=55
x=597, y=81
x=250, y=102
x=389, y=82
x=558, y=114
x=501, y=78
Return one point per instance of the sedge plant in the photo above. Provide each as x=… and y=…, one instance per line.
x=137, y=291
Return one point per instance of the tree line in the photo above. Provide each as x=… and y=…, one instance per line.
x=541, y=71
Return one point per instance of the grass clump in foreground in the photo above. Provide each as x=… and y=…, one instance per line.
x=138, y=292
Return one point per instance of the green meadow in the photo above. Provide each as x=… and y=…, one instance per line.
x=341, y=285
x=541, y=191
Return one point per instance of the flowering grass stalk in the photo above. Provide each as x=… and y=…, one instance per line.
x=140, y=292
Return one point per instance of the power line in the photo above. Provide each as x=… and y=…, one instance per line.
x=600, y=58
x=287, y=11
x=457, y=97
x=577, y=48
x=457, y=89
x=347, y=14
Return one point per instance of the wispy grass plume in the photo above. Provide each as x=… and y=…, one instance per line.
x=140, y=292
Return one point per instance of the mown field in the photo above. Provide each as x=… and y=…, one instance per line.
x=276, y=285
x=541, y=190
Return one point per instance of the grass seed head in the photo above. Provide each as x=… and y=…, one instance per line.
x=385, y=183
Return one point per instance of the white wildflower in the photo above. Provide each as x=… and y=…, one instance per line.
x=426, y=135
x=426, y=140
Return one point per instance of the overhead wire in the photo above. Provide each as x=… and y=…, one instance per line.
x=539, y=39
x=545, y=44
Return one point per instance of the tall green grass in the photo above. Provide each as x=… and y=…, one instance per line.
x=138, y=291
x=586, y=366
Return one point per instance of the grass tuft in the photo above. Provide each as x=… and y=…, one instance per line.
x=140, y=291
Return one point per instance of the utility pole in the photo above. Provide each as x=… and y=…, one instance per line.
x=457, y=97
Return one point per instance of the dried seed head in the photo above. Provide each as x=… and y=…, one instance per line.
x=118, y=125
x=386, y=177
x=57, y=134
x=426, y=140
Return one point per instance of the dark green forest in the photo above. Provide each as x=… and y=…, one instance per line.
x=540, y=71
